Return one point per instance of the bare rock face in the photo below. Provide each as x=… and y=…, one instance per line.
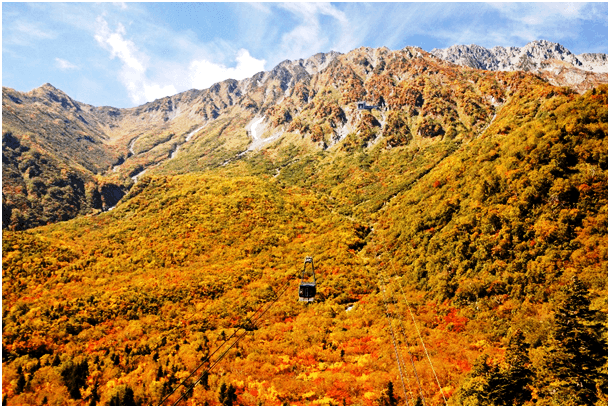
x=318, y=62
x=49, y=138
x=527, y=58
x=594, y=62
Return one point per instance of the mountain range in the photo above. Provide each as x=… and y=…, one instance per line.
x=458, y=227
x=100, y=148
x=528, y=58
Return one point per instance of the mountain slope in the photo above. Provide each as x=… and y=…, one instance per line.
x=449, y=216
x=109, y=149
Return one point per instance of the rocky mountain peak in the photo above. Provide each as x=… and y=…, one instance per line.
x=318, y=62
x=48, y=94
x=526, y=58
x=48, y=86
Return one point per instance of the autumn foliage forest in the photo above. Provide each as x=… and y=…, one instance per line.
x=459, y=237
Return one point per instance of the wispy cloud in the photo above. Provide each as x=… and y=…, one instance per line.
x=541, y=14
x=311, y=35
x=65, y=65
x=26, y=33
x=260, y=6
x=519, y=23
x=133, y=72
x=121, y=5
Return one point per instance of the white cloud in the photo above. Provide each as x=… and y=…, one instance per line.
x=309, y=37
x=203, y=73
x=25, y=33
x=310, y=11
x=154, y=91
x=541, y=13
x=119, y=47
x=121, y=5
x=33, y=30
x=65, y=65
x=133, y=72
x=260, y=7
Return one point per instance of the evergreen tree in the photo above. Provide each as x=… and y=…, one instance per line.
x=128, y=397
x=123, y=398
x=94, y=395
x=20, y=383
x=387, y=397
x=204, y=380
x=509, y=384
x=227, y=395
x=475, y=388
x=115, y=400
x=75, y=377
x=575, y=352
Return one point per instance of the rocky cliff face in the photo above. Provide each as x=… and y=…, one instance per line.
x=527, y=58
x=310, y=102
x=594, y=62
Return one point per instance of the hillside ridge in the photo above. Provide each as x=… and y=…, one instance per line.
x=527, y=58
x=109, y=149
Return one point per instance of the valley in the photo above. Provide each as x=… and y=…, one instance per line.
x=452, y=229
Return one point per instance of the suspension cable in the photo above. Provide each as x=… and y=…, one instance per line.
x=421, y=339
x=417, y=328
x=421, y=392
x=418, y=382
x=394, y=342
x=206, y=371
x=403, y=362
x=248, y=320
x=404, y=366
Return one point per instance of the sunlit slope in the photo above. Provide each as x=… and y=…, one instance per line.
x=481, y=235
x=512, y=212
x=501, y=229
x=186, y=257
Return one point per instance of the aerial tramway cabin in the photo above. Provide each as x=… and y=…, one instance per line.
x=307, y=290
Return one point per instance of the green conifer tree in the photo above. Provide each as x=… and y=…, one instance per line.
x=387, y=397
x=509, y=384
x=227, y=395
x=475, y=388
x=572, y=369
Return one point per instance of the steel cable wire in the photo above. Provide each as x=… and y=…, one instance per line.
x=283, y=289
x=249, y=320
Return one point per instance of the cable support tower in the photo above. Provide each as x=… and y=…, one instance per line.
x=421, y=391
x=420, y=336
x=402, y=361
x=418, y=382
x=252, y=320
x=206, y=371
x=394, y=341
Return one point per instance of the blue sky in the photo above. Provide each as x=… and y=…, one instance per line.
x=125, y=54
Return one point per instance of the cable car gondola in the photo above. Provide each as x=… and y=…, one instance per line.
x=307, y=290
